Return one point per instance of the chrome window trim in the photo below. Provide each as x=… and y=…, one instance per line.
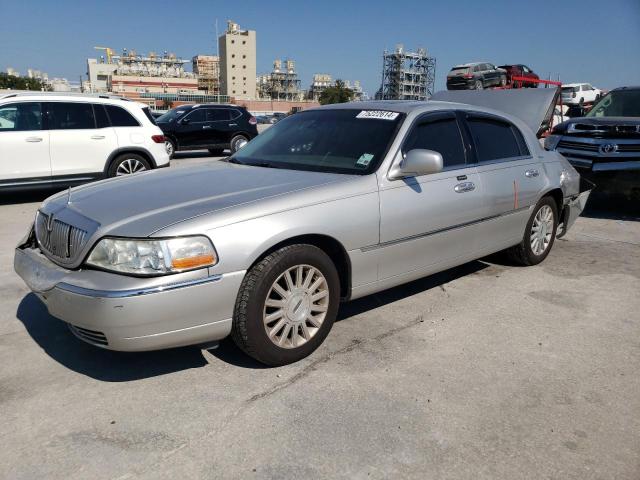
x=134, y=292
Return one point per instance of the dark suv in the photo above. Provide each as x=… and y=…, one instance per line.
x=604, y=146
x=211, y=127
x=475, y=76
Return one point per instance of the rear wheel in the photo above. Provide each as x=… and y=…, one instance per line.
x=238, y=142
x=128, y=164
x=478, y=85
x=503, y=81
x=286, y=305
x=539, y=234
x=170, y=147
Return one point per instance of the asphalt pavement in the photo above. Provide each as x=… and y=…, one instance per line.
x=485, y=371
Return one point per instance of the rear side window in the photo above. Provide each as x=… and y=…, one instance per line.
x=217, y=114
x=442, y=136
x=495, y=139
x=151, y=118
x=120, y=117
x=102, y=121
x=20, y=117
x=70, y=116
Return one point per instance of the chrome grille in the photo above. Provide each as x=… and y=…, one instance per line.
x=57, y=238
x=590, y=147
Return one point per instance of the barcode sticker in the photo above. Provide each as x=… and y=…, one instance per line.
x=378, y=114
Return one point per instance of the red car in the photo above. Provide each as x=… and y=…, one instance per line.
x=520, y=71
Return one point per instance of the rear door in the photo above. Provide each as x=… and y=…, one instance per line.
x=24, y=145
x=511, y=177
x=218, y=120
x=430, y=220
x=78, y=146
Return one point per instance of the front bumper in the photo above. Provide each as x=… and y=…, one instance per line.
x=133, y=314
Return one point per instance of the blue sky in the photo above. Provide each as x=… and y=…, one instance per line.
x=585, y=40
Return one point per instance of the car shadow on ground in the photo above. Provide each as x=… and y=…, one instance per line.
x=194, y=154
x=611, y=208
x=53, y=336
x=26, y=197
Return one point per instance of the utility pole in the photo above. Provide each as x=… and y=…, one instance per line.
x=219, y=60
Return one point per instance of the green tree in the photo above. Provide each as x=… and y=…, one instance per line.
x=337, y=93
x=19, y=83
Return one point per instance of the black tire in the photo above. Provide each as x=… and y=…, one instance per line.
x=581, y=102
x=171, y=147
x=522, y=254
x=503, y=81
x=216, y=152
x=237, y=143
x=478, y=85
x=248, y=330
x=125, y=160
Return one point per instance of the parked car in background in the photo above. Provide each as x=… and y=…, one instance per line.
x=328, y=205
x=277, y=116
x=58, y=140
x=210, y=127
x=604, y=146
x=579, y=93
x=520, y=70
x=475, y=76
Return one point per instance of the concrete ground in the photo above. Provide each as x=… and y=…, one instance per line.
x=486, y=371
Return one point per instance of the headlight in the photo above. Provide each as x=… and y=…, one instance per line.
x=551, y=142
x=153, y=256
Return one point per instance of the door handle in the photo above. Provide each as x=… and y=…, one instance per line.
x=233, y=124
x=531, y=173
x=97, y=137
x=464, y=187
x=206, y=127
x=33, y=139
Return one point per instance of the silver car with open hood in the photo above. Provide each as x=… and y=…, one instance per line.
x=328, y=205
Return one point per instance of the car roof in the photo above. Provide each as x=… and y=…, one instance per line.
x=574, y=84
x=631, y=87
x=464, y=65
x=210, y=105
x=67, y=97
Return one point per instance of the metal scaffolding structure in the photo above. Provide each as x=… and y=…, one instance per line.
x=407, y=75
x=280, y=84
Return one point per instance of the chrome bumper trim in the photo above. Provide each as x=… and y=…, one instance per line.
x=88, y=292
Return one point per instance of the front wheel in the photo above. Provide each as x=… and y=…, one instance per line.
x=478, y=85
x=503, y=81
x=286, y=305
x=539, y=234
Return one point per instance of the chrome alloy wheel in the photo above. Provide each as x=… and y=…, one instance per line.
x=239, y=143
x=129, y=166
x=168, y=147
x=541, y=230
x=296, y=306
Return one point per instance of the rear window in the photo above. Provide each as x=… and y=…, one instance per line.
x=459, y=71
x=570, y=89
x=120, y=117
x=217, y=114
x=495, y=139
x=70, y=116
x=102, y=121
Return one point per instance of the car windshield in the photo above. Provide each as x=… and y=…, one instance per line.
x=171, y=115
x=619, y=103
x=352, y=141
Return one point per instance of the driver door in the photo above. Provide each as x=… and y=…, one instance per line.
x=431, y=221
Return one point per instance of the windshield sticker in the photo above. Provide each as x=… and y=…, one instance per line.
x=364, y=160
x=378, y=114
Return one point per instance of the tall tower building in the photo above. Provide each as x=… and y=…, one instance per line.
x=238, y=62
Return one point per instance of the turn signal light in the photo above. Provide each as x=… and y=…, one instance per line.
x=193, y=262
x=158, y=138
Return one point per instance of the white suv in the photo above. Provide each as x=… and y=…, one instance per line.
x=579, y=93
x=50, y=140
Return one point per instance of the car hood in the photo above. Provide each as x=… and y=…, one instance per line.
x=628, y=127
x=534, y=106
x=142, y=204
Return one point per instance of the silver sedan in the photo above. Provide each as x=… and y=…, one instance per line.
x=328, y=205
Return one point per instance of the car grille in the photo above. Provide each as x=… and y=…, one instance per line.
x=58, y=239
x=91, y=336
x=590, y=147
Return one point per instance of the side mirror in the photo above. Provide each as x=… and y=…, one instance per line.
x=417, y=162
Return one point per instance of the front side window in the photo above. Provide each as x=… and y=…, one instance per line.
x=495, y=139
x=70, y=116
x=20, y=117
x=442, y=136
x=351, y=141
x=120, y=117
x=197, y=116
